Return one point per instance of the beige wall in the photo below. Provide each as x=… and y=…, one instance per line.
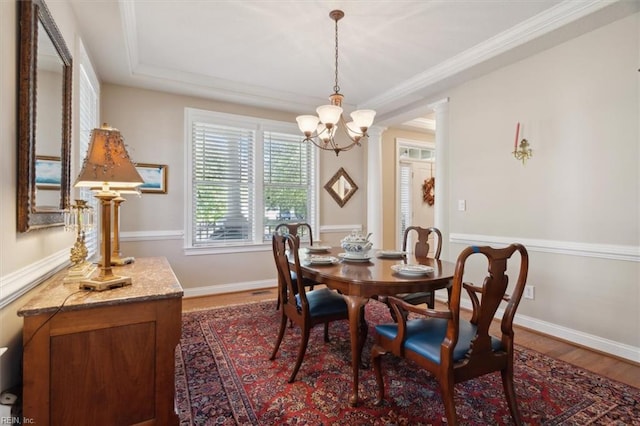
x=579, y=106
x=152, y=124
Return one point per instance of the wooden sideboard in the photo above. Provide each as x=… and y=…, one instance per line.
x=103, y=358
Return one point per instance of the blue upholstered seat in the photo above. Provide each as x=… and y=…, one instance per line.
x=324, y=302
x=425, y=335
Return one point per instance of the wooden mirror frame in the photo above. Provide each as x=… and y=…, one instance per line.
x=340, y=198
x=32, y=12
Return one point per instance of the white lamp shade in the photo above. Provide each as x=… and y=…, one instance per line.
x=363, y=118
x=307, y=123
x=329, y=114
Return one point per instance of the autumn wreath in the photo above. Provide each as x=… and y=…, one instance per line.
x=428, y=190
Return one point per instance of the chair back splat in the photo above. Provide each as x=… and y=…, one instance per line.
x=301, y=229
x=456, y=349
x=422, y=246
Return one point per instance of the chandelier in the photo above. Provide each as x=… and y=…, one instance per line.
x=321, y=129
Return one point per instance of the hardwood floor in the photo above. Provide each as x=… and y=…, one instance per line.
x=605, y=365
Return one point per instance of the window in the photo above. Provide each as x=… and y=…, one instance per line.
x=245, y=175
x=89, y=100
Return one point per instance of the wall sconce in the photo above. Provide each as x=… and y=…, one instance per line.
x=107, y=166
x=521, y=152
x=79, y=218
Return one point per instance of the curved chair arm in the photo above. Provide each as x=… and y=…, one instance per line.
x=402, y=309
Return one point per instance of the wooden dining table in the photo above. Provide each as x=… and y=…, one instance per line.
x=358, y=281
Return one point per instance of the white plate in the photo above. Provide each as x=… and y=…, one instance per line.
x=318, y=249
x=321, y=260
x=392, y=253
x=411, y=270
x=351, y=258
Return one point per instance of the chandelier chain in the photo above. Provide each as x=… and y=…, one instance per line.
x=336, y=87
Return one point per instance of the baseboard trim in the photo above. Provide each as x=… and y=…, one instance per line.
x=229, y=288
x=589, y=341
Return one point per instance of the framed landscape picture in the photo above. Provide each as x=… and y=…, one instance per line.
x=48, y=172
x=154, y=176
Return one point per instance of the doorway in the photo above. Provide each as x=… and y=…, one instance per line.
x=415, y=166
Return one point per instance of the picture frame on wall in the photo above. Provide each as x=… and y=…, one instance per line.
x=154, y=177
x=48, y=172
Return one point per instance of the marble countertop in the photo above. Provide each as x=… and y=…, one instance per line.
x=152, y=279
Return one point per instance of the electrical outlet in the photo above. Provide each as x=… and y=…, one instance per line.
x=462, y=205
x=528, y=292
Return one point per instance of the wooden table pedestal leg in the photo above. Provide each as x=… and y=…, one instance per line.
x=358, y=330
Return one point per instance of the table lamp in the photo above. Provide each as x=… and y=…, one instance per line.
x=107, y=166
x=117, y=259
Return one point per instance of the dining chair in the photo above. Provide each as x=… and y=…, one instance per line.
x=304, y=308
x=421, y=249
x=300, y=230
x=454, y=349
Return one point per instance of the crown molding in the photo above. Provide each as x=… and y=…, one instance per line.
x=562, y=14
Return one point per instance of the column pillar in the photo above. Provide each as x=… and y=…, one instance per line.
x=441, y=190
x=374, y=185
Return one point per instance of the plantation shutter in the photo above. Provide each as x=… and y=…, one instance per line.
x=223, y=183
x=88, y=120
x=405, y=201
x=288, y=182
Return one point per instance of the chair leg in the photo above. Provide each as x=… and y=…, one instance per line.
x=446, y=387
x=303, y=348
x=376, y=354
x=283, y=326
x=431, y=300
x=326, y=332
x=510, y=393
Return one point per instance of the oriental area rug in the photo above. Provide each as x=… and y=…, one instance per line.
x=224, y=377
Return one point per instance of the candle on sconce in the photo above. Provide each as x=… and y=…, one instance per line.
x=515, y=144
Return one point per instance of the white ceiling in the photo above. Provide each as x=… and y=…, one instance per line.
x=394, y=56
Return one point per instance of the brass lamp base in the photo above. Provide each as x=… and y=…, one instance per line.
x=119, y=261
x=79, y=272
x=98, y=284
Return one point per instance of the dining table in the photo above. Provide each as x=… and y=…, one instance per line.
x=370, y=276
